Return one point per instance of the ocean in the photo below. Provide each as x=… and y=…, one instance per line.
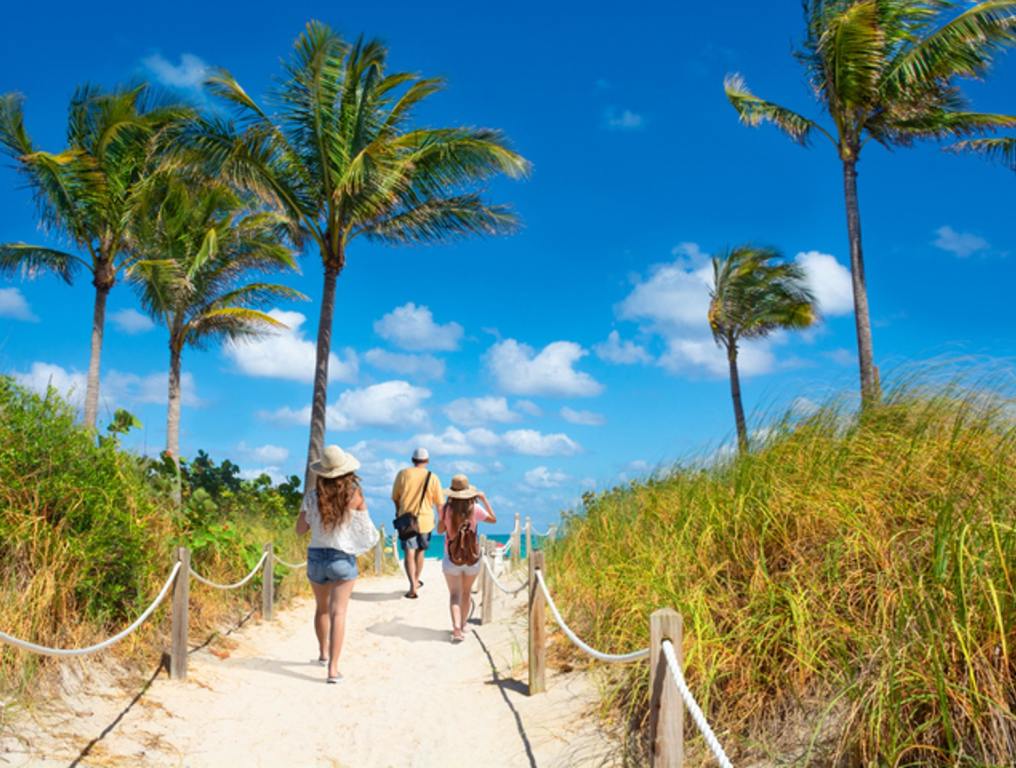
x=436, y=549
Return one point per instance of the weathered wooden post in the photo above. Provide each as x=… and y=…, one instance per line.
x=487, y=615
x=666, y=714
x=537, y=628
x=268, y=584
x=529, y=537
x=379, y=553
x=516, y=541
x=181, y=596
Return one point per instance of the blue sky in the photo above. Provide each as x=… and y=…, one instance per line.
x=574, y=354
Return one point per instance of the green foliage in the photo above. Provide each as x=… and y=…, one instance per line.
x=847, y=587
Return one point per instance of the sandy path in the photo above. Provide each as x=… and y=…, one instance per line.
x=409, y=698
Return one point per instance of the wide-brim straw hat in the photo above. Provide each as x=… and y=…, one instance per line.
x=461, y=489
x=334, y=462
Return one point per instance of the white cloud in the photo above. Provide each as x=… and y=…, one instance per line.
x=273, y=472
x=269, y=454
x=390, y=404
x=14, y=305
x=474, y=411
x=466, y=467
x=116, y=389
x=687, y=355
x=130, y=321
x=541, y=477
x=191, y=72
x=420, y=366
x=286, y=354
x=520, y=371
x=586, y=418
x=532, y=443
x=829, y=281
x=962, y=244
x=613, y=350
x=412, y=327
x=528, y=407
x=804, y=407
x=622, y=120
x=842, y=356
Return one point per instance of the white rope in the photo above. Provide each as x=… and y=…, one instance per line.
x=550, y=532
x=633, y=656
x=498, y=584
x=693, y=707
x=46, y=651
x=294, y=566
x=237, y=585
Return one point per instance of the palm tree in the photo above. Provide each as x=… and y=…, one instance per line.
x=1001, y=149
x=754, y=293
x=87, y=192
x=341, y=161
x=201, y=244
x=885, y=70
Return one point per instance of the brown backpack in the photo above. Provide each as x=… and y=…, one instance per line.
x=463, y=544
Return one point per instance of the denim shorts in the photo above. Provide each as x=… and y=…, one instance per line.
x=325, y=565
x=419, y=541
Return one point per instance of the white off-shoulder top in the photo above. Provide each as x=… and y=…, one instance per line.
x=355, y=536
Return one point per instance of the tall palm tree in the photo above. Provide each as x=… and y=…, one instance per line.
x=341, y=160
x=200, y=245
x=87, y=192
x=885, y=70
x=754, y=293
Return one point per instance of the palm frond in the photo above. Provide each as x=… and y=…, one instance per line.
x=31, y=260
x=754, y=111
x=852, y=46
x=1000, y=149
x=441, y=220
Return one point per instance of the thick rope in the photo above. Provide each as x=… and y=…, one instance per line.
x=47, y=651
x=550, y=532
x=633, y=656
x=238, y=584
x=498, y=584
x=693, y=707
x=294, y=566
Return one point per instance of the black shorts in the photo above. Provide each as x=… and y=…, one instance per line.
x=420, y=541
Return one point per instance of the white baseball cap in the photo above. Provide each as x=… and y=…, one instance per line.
x=420, y=454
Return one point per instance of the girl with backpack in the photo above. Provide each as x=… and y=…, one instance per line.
x=464, y=510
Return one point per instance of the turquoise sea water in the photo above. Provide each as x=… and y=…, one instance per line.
x=436, y=548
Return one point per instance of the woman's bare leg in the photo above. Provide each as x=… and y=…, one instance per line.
x=466, y=598
x=340, y=594
x=455, y=600
x=321, y=597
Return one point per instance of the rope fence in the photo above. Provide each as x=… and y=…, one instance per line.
x=235, y=585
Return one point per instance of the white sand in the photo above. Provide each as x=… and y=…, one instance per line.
x=408, y=698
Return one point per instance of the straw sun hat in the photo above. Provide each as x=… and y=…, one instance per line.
x=461, y=489
x=335, y=462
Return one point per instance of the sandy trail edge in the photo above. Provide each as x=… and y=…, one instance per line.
x=409, y=698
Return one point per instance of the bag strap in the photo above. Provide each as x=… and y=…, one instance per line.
x=423, y=496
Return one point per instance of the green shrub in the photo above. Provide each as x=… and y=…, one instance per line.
x=847, y=588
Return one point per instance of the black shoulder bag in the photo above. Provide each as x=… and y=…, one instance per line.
x=407, y=523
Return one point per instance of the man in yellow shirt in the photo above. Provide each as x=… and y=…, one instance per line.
x=416, y=491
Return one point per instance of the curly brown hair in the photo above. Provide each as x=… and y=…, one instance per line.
x=335, y=497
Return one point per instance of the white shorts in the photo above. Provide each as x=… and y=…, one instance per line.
x=447, y=566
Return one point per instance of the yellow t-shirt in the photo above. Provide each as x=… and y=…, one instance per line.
x=407, y=491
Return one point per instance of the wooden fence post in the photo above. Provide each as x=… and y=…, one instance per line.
x=487, y=614
x=529, y=537
x=516, y=541
x=268, y=584
x=537, y=627
x=181, y=595
x=379, y=553
x=666, y=715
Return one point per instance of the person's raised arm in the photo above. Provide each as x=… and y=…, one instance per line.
x=302, y=526
x=482, y=498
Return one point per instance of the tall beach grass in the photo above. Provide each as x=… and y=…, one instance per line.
x=847, y=587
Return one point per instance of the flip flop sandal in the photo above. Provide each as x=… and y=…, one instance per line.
x=411, y=595
x=334, y=680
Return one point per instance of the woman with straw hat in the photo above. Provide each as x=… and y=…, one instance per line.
x=340, y=529
x=459, y=518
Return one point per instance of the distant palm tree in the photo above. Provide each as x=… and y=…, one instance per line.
x=754, y=293
x=201, y=245
x=883, y=70
x=1001, y=149
x=341, y=161
x=88, y=192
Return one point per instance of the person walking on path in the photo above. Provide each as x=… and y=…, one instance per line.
x=416, y=491
x=465, y=509
x=340, y=528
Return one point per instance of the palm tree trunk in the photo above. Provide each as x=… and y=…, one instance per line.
x=98, y=324
x=865, y=350
x=735, y=395
x=319, y=405
x=173, y=416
